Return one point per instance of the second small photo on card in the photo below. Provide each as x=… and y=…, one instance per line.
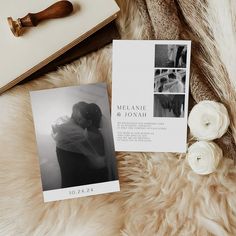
x=169, y=80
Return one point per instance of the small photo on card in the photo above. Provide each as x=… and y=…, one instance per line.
x=168, y=105
x=169, y=81
x=170, y=55
x=75, y=141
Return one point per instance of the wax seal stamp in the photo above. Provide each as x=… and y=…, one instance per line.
x=57, y=10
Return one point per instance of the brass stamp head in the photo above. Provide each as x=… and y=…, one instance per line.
x=57, y=10
x=15, y=26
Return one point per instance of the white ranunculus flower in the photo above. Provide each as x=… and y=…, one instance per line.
x=204, y=157
x=208, y=120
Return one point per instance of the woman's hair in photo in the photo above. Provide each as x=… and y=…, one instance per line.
x=183, y=79
x=157, y=72
x=184, y=57
x=95, y=114
x=90, y=111
x=172, y=76
x=163, y=80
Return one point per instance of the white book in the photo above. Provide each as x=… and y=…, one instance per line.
x=150, y=87
x=22, y=56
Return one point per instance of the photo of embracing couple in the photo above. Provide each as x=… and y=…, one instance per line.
x=80, y=146
x=169, y=81
x=74, y=136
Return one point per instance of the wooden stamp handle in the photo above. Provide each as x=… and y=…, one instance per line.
x=57, y=10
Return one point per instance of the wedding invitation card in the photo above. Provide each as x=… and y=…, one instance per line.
x=150, y=86
x=75, y=141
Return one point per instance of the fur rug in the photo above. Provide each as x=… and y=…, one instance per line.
x=160, y=194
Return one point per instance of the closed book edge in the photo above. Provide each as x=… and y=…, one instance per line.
x=29, y=72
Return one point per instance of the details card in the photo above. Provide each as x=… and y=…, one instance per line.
x=150, y=87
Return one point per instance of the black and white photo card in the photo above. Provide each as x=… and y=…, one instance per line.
x=75, y=141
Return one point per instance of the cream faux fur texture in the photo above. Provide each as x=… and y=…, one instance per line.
x=160, y=195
